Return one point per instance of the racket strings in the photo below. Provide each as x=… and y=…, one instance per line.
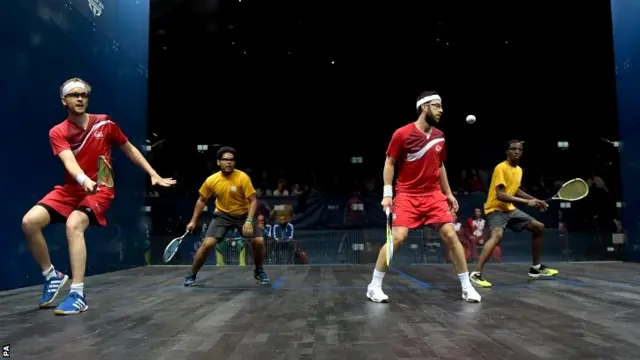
x=104, y=173
x=573, y=190
x=171, y=250
x=173, y=247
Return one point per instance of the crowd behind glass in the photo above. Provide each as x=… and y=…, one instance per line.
x=277, y=177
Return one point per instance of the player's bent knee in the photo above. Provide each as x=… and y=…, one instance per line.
x=35, y=219
x=448, y=234
x=77, y=222
x=536, y=226
x=208, y=243
x=400, y=234
x=448, y=231
x=497, y=233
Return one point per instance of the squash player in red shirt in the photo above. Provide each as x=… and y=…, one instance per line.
x=423, y=195
x=78, y=141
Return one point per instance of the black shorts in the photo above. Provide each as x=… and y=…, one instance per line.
x=516, y=220
x=57, y=218
x=223, y=223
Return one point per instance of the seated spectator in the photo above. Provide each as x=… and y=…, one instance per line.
x=476, y=235
x=475, y=184
x=282, y=235
x=280, y=190
x=263, y=192
x=297, y=190
x=266, y=228
x=354, y=214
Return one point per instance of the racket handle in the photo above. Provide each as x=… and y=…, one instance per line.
x=387, y=211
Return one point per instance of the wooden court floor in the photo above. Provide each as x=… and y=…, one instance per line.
x=320, y=312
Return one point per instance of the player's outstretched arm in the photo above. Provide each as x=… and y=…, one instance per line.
x=504, y=197
x=541, y=205
x=137, y=158
x=524, y=195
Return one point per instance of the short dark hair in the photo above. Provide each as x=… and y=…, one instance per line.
x=224, y=150
x=514, y=141
x=422, y=95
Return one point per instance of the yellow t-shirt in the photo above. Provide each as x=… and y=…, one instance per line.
x=508, y=176
x=231, y=192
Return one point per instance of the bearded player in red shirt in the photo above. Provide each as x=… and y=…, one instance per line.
x=423, y=195
x=78, y=141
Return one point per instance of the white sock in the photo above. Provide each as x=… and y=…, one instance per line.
x=377, y=278
x=49, y=274
x=537, y=267
x=464, y=280
x=78, y=288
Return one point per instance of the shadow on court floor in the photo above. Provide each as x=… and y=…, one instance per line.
x=320, y=312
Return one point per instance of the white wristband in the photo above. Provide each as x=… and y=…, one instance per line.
x=387, y=191
x=81, y=178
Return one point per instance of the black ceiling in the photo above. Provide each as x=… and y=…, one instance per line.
x=515, y=54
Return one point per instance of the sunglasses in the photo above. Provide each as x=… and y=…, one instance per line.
x=78, y=95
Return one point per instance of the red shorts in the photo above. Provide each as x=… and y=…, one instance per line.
x=412, y=211
x=65, y=199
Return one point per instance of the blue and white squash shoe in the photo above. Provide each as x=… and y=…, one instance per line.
x=51, y=289
x=73, y=304
x=261, y=276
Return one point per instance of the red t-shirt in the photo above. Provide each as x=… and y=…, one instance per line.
x=87, y=145
x=419, y=158
x=477, y=227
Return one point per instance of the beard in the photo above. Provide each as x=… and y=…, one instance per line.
x=430, y=118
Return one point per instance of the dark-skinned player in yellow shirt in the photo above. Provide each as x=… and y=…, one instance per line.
x=501, y=213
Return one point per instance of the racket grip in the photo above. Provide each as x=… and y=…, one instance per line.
x=387, y=211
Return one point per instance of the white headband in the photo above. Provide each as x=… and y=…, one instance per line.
x=427, y=99
x=72, y=85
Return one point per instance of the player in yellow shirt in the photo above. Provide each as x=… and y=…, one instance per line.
x=236, y=205
x=501, y=213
